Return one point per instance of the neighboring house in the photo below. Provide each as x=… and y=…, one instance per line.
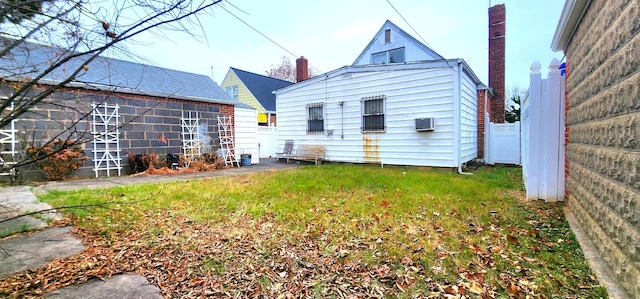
x=158, y=110
x=410, y=107
x=601, y=42
x=256, y=91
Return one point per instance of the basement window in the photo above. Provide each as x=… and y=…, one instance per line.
x=315, y=118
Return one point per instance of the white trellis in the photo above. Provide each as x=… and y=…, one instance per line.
x=106, y=139
x=191, y=145
x=225, y=133
x=8, y=144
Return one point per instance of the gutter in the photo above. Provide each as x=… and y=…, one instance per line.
x=571, y=15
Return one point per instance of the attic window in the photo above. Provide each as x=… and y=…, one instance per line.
x=396, y=55
x=232, y=91
x=391, y=56
x=387, y=36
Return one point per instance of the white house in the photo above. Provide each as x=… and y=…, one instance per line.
x=410, y=107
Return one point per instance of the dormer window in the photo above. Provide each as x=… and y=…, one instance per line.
x=391, y=56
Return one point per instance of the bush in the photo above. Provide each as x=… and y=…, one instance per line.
x=57, y=159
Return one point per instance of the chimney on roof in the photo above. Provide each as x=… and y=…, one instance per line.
x=302, y=69
x=497, y=30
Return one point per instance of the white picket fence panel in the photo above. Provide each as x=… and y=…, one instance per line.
x=543, y=134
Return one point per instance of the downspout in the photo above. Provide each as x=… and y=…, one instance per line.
x=458, y=113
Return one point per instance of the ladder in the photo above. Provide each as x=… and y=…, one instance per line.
x=225, y=133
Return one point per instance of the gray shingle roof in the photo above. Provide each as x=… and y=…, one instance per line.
x=261, y=87
x=111, y=74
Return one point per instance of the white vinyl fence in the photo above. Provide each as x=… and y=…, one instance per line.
x=504, y=143
x=267, y=139
x=543, y=134
x=246, y=134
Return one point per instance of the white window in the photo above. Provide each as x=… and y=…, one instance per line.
x=391, y=56
x=379, y=58
x=315, y=118
x=233, y=91
x=373, y=114
x=396, y=55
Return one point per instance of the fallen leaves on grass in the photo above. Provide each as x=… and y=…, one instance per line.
x=241, y=256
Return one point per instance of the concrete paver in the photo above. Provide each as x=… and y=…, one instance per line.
x=123, y=286
x=38, y=249
x=15, y=200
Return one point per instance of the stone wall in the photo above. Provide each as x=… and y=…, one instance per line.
x=149, y=124
x=603, y=124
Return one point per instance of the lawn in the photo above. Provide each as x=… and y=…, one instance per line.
x=325, y=232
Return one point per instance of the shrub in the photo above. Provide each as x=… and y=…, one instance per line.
x=58, y=158
x=140, y=163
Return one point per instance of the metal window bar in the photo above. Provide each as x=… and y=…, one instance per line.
x=225, y=134
x=373, y=114
x=191, y=144
x=315, y=118
x=105, y=120
x=8, y=145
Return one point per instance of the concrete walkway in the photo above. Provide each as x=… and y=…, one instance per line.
x=20, y=251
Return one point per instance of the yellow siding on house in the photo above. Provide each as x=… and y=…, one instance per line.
x=244, y=96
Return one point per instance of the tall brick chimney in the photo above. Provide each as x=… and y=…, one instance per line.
x=497, y=30
x=302, y=69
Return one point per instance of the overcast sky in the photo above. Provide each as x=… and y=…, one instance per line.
x=332, y=33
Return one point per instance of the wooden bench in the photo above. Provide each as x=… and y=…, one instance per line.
x=310, y=153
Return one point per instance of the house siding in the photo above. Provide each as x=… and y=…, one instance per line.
x=603, y=125
x=409, y=94
x=468, y=119
x=244, y=95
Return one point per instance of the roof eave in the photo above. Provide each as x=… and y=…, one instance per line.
x=425, y=64
x=125, y=90
x=572, y=14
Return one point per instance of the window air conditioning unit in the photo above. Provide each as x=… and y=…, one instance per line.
x=425, y=124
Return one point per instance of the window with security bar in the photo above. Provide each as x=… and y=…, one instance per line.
x=373, y=114
x=315, y=118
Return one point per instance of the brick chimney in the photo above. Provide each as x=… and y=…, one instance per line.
x=302, y=69
x=497, y=30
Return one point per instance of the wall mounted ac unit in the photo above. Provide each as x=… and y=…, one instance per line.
x=425, y=124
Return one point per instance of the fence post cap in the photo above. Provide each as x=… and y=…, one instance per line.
x=554, y=66
x=535, y=67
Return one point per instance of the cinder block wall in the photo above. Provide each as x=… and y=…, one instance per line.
x=603, y=121
x=144, y=120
